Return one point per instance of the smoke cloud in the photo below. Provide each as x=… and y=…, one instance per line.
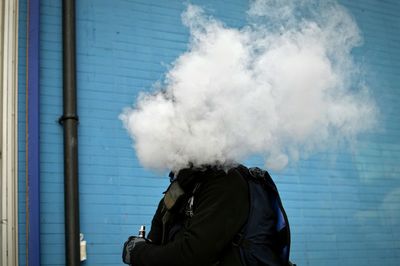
x=284, y=86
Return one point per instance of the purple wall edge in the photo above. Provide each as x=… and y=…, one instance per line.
x=32, y=134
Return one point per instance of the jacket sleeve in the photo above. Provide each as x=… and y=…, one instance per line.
x=221, y=211
x=155, y=234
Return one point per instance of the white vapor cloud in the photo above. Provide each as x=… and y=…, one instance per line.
x=282, y=87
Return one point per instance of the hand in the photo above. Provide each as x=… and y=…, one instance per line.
x=130, y=244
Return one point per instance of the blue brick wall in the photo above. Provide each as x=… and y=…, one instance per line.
x=22, y=20
x=344, y=207
x=51, y=141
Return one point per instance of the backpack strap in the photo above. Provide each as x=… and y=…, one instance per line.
x=189, y=207
x=173, y=219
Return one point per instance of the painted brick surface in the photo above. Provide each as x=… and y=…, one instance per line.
x=344, y=206
x=22, y=20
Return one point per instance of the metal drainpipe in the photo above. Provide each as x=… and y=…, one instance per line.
x=70, y=121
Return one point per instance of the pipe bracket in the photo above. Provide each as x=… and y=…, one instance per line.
x=66, y=117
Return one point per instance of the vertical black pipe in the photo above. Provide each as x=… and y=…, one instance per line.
x=70, y=120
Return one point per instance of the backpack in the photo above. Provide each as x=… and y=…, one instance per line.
x=265, y=238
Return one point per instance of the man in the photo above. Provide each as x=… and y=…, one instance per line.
x=196, y=222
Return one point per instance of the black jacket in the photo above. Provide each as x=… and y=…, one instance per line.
x=221, y=208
